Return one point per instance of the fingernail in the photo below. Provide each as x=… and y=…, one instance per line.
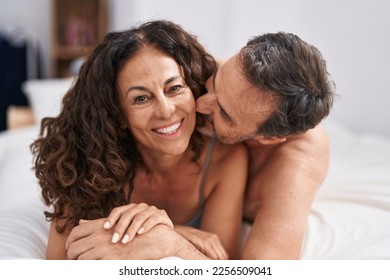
x=125, y=238
x=141, y=230
x=115, y=237
x=106, y=225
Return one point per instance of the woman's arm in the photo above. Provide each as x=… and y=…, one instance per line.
x=56, y=243
x=224, y=205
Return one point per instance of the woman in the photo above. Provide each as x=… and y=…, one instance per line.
x=125, y=143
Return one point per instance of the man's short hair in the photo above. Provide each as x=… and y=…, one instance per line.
x=295, y=73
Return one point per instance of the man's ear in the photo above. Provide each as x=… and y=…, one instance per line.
x=267, y=140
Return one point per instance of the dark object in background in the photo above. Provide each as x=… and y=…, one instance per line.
x=16, y=52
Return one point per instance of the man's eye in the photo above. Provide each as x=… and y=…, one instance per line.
x=225, y=115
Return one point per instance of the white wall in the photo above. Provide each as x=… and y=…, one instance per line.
x=208, y=19
x=353, y=35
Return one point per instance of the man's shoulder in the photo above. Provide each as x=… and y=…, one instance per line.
x=310, y=136
x=312, y=140
x=313, y=137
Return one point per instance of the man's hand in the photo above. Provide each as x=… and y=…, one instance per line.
x=206, y=242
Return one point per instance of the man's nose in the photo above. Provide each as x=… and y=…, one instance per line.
x=206, y=103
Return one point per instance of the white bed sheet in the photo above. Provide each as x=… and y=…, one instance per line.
x=23, y=228
x=350, y=217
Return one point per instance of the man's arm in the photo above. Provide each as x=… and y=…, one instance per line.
x=90, y=241
x=281, y=193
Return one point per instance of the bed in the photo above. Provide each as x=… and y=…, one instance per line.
x=350, y=216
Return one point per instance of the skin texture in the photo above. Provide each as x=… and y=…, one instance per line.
x=154, y=97
x=284, y=172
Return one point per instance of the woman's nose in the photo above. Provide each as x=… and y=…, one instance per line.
x=165, y=109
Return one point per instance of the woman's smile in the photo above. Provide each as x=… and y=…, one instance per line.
x=170, y=130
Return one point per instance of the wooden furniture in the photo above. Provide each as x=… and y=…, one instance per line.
x=77, y=27
x=19, y=116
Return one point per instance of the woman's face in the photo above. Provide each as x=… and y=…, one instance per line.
x=159, y=106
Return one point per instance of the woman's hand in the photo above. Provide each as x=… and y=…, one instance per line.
x=90, y=241
x=206, y=242
x=133, y=219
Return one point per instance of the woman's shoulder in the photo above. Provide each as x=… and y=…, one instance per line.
x=228, y=164
x=225, y=152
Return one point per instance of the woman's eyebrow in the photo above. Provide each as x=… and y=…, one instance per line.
x=171, y=79
x=143, y=88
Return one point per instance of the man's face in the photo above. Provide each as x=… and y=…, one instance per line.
x=235, y=107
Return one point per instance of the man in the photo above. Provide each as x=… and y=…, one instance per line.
x=273, y=95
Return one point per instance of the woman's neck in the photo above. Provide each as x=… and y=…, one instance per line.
x=163, y=163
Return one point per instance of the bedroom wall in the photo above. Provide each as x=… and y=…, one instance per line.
x=353, y=35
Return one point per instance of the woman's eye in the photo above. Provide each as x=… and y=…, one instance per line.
x=176, y=89
x=140, y=99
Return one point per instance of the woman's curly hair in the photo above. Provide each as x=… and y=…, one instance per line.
x=83, y=158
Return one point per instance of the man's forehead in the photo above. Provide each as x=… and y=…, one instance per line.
x=232, y=97
x=226, y=78
x=230, y=66
x=238, y=96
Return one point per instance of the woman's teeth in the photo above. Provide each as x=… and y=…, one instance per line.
x=168, y=130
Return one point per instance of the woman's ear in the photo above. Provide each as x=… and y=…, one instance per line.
x=267, y=140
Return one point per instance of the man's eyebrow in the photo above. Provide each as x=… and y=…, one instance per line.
x=224, y=114
x=215, y=74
